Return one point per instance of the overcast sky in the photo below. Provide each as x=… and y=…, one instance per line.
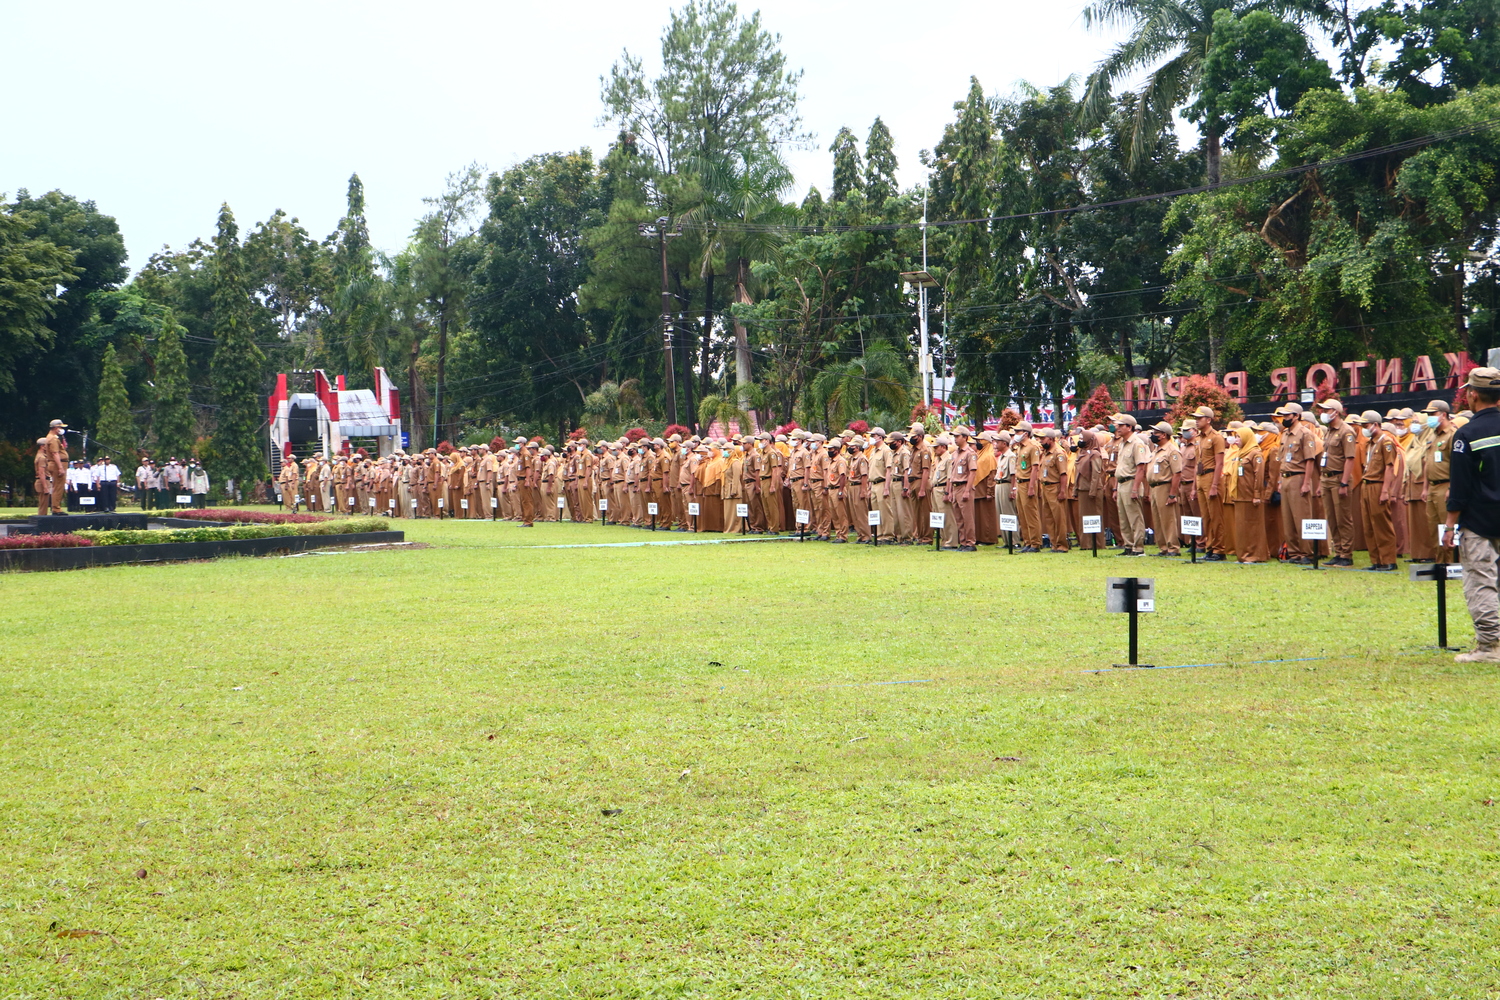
x=159, y=112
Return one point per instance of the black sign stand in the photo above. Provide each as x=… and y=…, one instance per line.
x=1439, y=572
x=1010, y=542
x=1096, y=545
x=876, y=536
x=937, y=539
x=1129, y=586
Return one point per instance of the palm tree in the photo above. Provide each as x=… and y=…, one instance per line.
x=742, y=216
x=1179, y=31
x=847, y=387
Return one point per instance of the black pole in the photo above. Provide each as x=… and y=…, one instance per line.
x=1131, y=607
x=1010, y=543
x=937, y=540
x=1193, y=549
x=1440, y=570
x=1096, y=545
x=877, y=534
x=653, y=522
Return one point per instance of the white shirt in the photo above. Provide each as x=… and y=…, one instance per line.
x=111, y=473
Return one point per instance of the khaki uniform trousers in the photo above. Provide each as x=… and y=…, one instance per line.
x=1164, y=519
x=941, y=506
x=1478, y=555
x=1132, y=522
x=1380, y=534
x=528, y=505
x=1057, y=516
x=1295, y=508
x=1422, y=542
x=1339, y=510
x=858, y=514
x=963, y=515
x=1029, y=509
x=1213, y=517
x=1437, y=513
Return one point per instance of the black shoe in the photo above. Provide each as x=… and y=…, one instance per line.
x=1125, y=552
x=968, y=548
x=1381, y=568
x=1300, y=561
x=1214, y=557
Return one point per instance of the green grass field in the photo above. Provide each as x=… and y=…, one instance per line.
x=487, y=769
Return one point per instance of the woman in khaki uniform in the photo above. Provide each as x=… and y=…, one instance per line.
x=1250, y=492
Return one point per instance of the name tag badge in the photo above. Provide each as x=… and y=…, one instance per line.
x=1437, y=456
x=1242, y=470
x=1324, y=462
x=1156, y=469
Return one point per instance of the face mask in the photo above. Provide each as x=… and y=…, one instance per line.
x=1259, y=438
x=1367, y=431
x=1325, y=418
x=1432, y=421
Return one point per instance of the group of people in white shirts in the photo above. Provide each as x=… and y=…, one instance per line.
x=93, y=488
x=159, y=487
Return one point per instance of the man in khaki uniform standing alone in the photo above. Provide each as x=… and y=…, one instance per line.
x=56, y=448
x=287, y=480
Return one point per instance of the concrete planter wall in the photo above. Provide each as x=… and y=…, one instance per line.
x=112, y=555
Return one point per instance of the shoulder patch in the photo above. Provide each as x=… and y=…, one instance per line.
x=1458, y=445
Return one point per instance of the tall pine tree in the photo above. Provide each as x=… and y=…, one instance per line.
x=236, y=368
x=172, y=414
x=356, y=326
x=880, y=164
x=115, y=430
x=845, y=150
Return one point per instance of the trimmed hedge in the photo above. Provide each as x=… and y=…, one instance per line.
x=244, y=516
x=343, y=526
x=43, y=541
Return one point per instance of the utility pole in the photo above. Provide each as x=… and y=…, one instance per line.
x=922, y=280
x=659, y=229
x=922, y=301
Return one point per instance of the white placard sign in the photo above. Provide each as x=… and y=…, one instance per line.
x=391, y=504
x=351, y=502
x=1093, y=524
x=804, y=516
x=184, y=498
x=1192, y=526
x=494, y=503
x=90, y=501
x=561, y=502
x=652, y=509
x=603, y=503
x=873, y=518
x=1145, y=604
x=1008, y=522
x=693, y=510
x=372, y=503
x=1314, y=530
x=442, y=501
x=741, y=510
x=937, y=519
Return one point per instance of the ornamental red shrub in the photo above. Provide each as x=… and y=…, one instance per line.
x=1202, y=390
x=677, y=429
x=444, y=448
x=1009, y=417
x=578, y=434
x=1098, y=408
x=787, y=428
x=635, y=434
x=859, y=426
x=44, y=542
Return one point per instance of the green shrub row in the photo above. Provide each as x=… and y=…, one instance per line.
x=349, y=526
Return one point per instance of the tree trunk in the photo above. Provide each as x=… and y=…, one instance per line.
x=414, y=386
x=1460, y=322
x=437, y=406
x=1214, y=155
x=742, y=365
x=1125, y=354
x=708, y=327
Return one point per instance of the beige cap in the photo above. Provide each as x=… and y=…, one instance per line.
x=1022, y=426
x=962, y=431
x=1124, y=418
x=1205, y=411
x=877, y=432
x=847, y=432
x=1438, y=406
x=1372, y=417
x=1164, y=427
x=856, y=442
x=1483, y=378
x=917, y=428
x=1405, y=414
x=1332, y=403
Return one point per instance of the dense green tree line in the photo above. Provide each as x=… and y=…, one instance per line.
x=1328, y=212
